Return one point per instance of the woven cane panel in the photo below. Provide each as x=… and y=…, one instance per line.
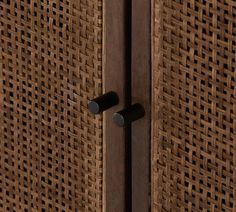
x=194, y=105
x=50, y=145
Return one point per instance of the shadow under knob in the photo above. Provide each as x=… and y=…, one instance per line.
x=128, y=115
x=103, y=102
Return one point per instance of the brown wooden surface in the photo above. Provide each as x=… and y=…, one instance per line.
x=115, y=72
x=141, y=29
x=119, y=76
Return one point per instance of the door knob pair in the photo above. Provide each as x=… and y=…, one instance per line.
x=121, y=118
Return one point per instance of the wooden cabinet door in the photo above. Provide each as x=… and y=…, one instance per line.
x=55, y=56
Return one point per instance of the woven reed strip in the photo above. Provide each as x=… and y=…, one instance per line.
x=194, y=105
x=50, y=145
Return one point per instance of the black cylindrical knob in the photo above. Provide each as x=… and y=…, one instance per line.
x=103, y=102
x=128, y=115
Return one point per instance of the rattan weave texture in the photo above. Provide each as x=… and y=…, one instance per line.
x=194, y=105
x=50, y=145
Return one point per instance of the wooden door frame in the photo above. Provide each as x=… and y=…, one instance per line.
x=141, y=92
x=116, y=77
x=127, y=71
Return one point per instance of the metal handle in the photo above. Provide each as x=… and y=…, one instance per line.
x=128, y=115
x=103, y=102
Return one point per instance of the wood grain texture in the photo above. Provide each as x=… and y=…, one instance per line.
x=115, y=76
x=141, y=93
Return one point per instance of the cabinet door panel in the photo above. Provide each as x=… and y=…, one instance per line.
x=50, y=66
x=193, y=118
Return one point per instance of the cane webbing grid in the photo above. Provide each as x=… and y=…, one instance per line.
x=194, y=105
x=50, y=145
